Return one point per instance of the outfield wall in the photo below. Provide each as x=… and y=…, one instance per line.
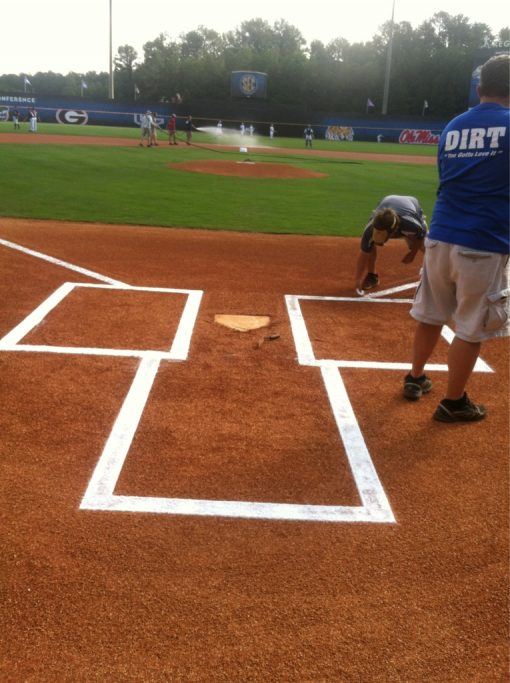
x=288, y=120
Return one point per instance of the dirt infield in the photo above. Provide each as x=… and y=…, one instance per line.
x=185, y=502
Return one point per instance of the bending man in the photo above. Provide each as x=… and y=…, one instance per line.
x=395, y=216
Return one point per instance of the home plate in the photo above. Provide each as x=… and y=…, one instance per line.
x=242, y=323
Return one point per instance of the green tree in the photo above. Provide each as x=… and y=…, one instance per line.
x=125, y=65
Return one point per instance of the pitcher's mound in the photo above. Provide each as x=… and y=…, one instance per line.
x=246, y=169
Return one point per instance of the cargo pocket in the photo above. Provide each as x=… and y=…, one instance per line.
x=497, y=311
x=473, y=254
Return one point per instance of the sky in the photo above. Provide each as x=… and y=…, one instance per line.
x=66, y=35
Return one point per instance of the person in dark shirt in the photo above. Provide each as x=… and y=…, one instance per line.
x=395, y=216
x=309, y=134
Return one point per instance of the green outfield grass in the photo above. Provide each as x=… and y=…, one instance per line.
x=135, y=186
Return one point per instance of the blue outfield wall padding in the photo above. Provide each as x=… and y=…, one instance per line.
x=82, y=112
x=288, y=120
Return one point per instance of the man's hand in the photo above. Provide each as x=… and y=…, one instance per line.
x=415, y=245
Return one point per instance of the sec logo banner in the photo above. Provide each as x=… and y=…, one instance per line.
x=248, y=84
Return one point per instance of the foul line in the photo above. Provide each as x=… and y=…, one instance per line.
x=63, y=264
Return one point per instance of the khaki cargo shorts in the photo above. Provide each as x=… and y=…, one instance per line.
x=466, y=287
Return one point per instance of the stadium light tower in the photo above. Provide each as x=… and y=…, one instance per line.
x=388, y=65
x=110, y=79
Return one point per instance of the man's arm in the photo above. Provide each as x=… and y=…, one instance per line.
x=415, y=244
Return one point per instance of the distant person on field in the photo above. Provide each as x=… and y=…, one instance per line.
x=171, y=127
x=309, y=135
x=242, y=128
x=145, y=124
x=465, y=276
x=154, y=130
x=188, y=127
x=15, y=119
x=271, y=131
x=32, y=119
x=395, y=216
x=219, y=127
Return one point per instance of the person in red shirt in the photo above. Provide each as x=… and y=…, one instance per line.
x=172, y=122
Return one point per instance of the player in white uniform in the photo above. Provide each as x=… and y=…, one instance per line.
x=146, y=123
x=32, y=116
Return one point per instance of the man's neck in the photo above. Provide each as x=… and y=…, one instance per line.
x=503, y=101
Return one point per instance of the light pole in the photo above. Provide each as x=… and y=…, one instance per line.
x=388, y=65
x=110, y=80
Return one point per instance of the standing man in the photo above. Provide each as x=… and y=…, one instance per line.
x=146, y=124
x=465, y=274
x=154, y=127
x=308, y=135
x=395, y=216
x=271, y=131
x=32, y=118
x=171, y=126
x=15, y=119
x=188, y=127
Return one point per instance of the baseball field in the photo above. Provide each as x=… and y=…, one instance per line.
x=208, y=472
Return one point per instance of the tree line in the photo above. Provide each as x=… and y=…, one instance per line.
x=430, y=64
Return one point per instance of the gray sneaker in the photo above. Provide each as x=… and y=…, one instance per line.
x=469, y=412
x=414, y=387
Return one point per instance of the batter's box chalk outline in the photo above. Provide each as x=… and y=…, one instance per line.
x=178, y=350
x=306, y=354
x=100, y=491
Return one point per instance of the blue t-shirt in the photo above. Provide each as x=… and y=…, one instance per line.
x=472, y=206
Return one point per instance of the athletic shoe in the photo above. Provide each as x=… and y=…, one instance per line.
x=371, y=280
x=467, y=412
x=414, y=387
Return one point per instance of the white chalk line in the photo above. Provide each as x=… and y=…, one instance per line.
x=178, y=351
x=110, y=463
x=374, y=508
x=63, y=264
x=100, y=491
x=392, y=290
x=100, y=495
x=35, y=318
x=304, y=346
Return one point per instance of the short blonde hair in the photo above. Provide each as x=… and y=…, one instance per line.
x=386, y=219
